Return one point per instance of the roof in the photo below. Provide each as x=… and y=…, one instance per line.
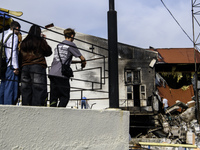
x=177, y=55
x=183, y=94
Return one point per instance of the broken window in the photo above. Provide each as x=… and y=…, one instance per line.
x=143, y=92
x=130, y=95
x=129, y=92
x=129, y=77
x=136, y=77
x=132, y=76
x=143, y=100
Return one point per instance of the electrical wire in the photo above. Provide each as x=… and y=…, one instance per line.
x=176, y=20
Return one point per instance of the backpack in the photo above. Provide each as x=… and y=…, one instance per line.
x=3, y=63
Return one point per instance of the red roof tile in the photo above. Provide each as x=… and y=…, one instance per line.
x=177, y=55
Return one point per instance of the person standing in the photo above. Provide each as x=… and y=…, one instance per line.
x=83, y=102
x=34, y=49
x=59, y=84
x=165, y=104
x=9, y=83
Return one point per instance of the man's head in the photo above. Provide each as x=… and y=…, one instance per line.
x=84, y=97
x=15, y=26
x=69, y=34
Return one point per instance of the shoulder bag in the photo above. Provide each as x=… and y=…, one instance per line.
x=66, y=70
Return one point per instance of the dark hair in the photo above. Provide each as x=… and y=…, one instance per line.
x=35, y=31
x=14, y=24
x=69, y=32
x=33, y=40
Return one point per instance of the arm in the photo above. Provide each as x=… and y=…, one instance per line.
x=46, y=48
x=15, y=56
x=74, y=50
x=83, y=61
x=74, y=61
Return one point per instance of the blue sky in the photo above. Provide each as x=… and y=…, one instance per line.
x=141, y=23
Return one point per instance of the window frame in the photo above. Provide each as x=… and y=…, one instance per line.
x=134, y=73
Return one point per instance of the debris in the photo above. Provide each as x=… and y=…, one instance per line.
x=175, y=127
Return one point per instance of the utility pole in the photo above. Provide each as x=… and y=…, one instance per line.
x=113, y=56
x=195, y=58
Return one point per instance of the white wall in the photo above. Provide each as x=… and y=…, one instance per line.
x=43, y=128
x=91, y=75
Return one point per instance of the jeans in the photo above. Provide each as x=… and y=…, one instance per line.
x=83, y=103
x=60, y=89
x=9, y=87
x=34, y=85
x=165, y=108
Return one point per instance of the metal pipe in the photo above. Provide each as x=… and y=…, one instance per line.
x=111, y=4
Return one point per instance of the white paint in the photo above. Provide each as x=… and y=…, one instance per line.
x=43, y=128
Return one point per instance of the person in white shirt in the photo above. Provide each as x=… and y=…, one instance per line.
x=165, y=104
x=9, y=83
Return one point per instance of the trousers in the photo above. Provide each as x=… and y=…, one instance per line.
x=59, y=89
x=34, y=85
x=9, y=87
x=83, y=104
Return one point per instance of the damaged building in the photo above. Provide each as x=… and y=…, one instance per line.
x=145, y=75
x=175, y=70
x=175, y=73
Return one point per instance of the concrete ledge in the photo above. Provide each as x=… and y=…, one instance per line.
x=43, y=128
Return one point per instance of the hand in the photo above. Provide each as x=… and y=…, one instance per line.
x=16, y=71
x=83, y=64
x=43, y=35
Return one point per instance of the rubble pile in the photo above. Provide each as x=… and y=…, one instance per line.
x=178, y=125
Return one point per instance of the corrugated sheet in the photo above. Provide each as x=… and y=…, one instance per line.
x=184, y=95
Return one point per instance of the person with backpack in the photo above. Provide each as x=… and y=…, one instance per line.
x=9, y=81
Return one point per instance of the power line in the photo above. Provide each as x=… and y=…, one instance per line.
x=176, y=21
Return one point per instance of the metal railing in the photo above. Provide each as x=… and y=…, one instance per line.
x=101, y=69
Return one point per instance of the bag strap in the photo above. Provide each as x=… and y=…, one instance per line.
x=6, y=42
x=8, y=37
x=60, y=57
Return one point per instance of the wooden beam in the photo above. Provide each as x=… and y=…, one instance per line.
x=168, y=145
